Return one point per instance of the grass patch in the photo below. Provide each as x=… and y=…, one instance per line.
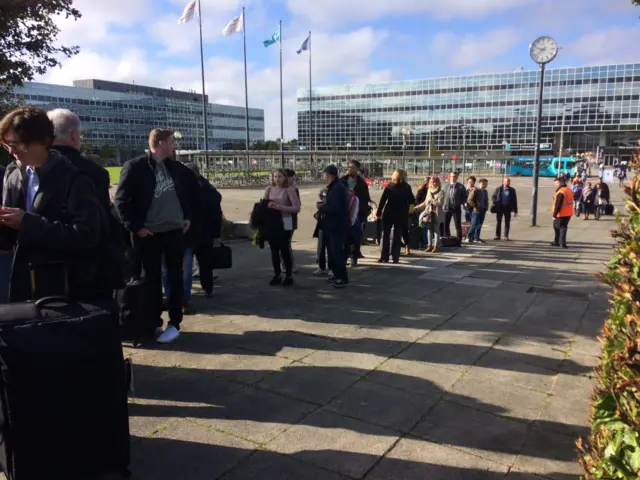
x=114, y=174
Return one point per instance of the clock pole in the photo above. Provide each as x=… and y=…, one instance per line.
x=536, y=160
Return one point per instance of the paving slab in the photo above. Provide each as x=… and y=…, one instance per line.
x=343, y=445
x=494, y=438
x=272, y=466
x=413, y=459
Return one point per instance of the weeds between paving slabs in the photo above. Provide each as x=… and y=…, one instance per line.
x=612, y=450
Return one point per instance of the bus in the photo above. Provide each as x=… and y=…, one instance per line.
x=549, y=166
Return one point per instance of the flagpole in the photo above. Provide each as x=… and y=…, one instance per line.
x=204, y=100
x=281, y=108
x=246, y=88
x=310, y=107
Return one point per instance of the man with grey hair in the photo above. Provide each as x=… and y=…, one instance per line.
x=68, y=138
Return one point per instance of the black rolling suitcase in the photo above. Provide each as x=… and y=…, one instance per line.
x=63, y=391
x=138, y=318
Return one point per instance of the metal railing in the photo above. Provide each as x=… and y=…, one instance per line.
x=237, y=168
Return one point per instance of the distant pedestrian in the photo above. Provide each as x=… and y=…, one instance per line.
x=335, y=213
x=291, y=180
x=479, y=201
x=505, y=202
x=394, y=212
x=471, y=186
x=455, y=195
x=561, y=211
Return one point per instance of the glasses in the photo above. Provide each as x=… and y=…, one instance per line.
x=9, y=147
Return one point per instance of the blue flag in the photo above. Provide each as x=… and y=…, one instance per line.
x=305, y=46
x=274, y=38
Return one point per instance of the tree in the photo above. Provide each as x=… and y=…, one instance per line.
x=27, y=40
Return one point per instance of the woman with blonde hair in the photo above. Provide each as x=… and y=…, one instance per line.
x=433, y=214
x=284, y=200
x=393, y=209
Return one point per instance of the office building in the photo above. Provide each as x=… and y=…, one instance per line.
x=592, y=108
x=119, y=116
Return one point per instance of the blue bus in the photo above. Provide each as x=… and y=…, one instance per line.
x=549, y=166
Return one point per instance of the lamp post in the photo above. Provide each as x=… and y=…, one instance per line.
x=405, y=132
x=542, y=51
x=464, y=150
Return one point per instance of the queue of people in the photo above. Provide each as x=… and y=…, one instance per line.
x=65, y=237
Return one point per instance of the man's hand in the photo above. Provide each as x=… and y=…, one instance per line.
x=11, y=217
x=186, y=225
x=143, y=232
x=319, y=205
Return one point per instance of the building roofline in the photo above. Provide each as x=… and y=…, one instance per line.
x=487, y=74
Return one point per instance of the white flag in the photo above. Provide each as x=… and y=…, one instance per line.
x=234, y=26
x=190, y=12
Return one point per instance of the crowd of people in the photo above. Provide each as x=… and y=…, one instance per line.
x=60, y=233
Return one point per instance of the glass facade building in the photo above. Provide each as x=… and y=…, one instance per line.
x=120, y=116
x=592, y=108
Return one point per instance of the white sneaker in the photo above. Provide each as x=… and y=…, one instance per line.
x=319, y=272
x=331, y=275
x=169, y=335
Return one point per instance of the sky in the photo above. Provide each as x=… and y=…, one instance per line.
x=353, y=41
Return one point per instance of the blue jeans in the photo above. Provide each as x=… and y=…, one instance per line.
x=477, y=219
x=468, y=214
x=334, y=240
x=187, y=275
x=432, y=231
x=6, y=261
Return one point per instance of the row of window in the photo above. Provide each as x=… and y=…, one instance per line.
x=478, y=88
x=127, y=105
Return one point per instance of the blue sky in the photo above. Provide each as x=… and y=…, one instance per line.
x=353, y=41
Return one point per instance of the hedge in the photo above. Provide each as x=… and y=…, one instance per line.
x=612, y=450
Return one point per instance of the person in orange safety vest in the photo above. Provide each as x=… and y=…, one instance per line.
x=562, y=211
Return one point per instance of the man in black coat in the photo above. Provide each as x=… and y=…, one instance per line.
x=153, y=201
x=208, y=217
x=67, y=141
x=354, y=181
x=505, y=201
x=335, y=211
x=455, y=195
x=50, y=215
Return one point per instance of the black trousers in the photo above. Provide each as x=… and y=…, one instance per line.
x=204, y=254
x=281, y=251
x=456, y=214
x=392, y=246
x=335, y=248
x=560, y=226
x=150, y=251
x=507, y=222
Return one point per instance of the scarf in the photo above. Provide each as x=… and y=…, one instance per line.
x=433, y=191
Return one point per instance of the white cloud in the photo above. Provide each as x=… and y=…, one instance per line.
x=606, y=46
x=470, y=49
x=348, y=12
x=225, y=76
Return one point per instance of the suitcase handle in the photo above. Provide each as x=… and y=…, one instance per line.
x=44, y=301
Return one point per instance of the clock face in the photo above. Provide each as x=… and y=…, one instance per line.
x=543, y=50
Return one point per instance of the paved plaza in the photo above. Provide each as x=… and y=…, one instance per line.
x=475, y=363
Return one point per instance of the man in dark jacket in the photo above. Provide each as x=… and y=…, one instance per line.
x=354, y=181
x=335, y=212
x=67, y=141
x=208, y=217
x=152, y=199
x=50, y=215
x=455, y=195
x=505, y=201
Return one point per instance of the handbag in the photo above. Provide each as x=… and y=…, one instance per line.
x=221, y=257
x=494, y=208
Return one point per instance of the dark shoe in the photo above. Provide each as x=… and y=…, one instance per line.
x=564, y=246
x=340, y=284
x=496, y=238
x=287, y=282
x=208, y=294
x=553, y=244
x=276, y=280
x=381, y=260
x=360, y=255
x=396, y=260
x=188, y=309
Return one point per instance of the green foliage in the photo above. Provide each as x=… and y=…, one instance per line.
x=27, y=39
x=114, y=174
x=613, y=448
